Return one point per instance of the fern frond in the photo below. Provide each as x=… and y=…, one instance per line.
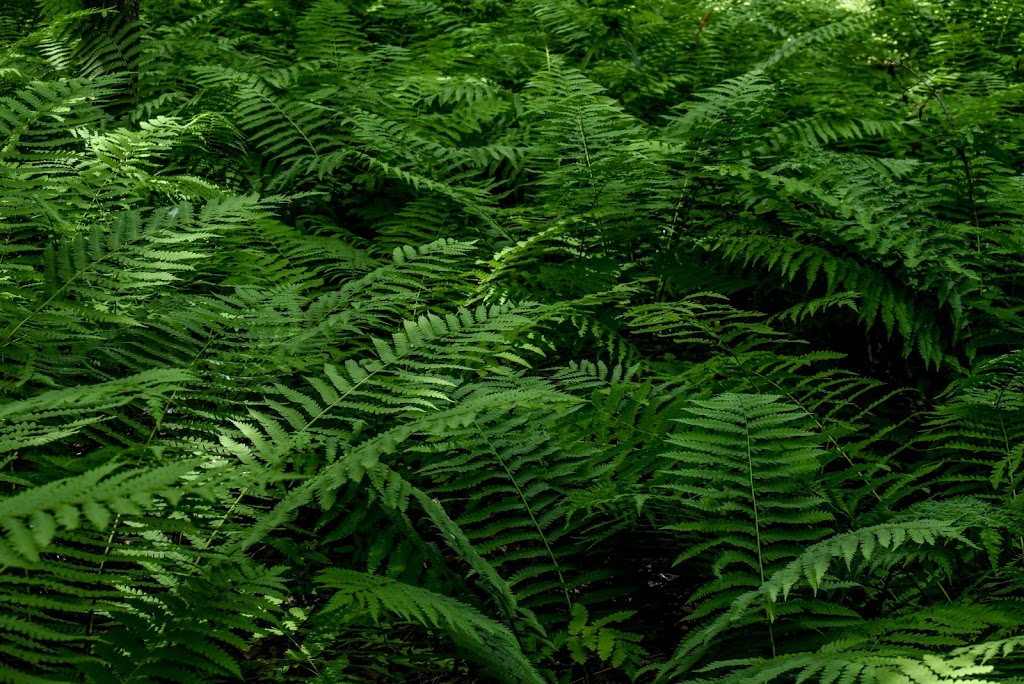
x=743, y=468
x=483, y=639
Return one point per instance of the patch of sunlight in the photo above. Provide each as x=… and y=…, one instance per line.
x=854, y=5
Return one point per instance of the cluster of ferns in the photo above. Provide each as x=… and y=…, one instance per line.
x=518, y=341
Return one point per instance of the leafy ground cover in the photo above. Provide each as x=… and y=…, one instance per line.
x=511, y=341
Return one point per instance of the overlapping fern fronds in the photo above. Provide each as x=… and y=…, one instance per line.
x=529, y=341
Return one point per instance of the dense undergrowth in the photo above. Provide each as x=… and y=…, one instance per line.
x=512, y=341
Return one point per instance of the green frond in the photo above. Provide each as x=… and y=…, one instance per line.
x=34, y=516
x=482, y=638
x=618, y=340
x=743, y=467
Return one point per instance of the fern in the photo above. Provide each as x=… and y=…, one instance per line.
x=579, y=340
x=745, y=467
x=479, y=635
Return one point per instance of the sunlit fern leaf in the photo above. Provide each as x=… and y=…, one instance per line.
x=34, y=516
x=45, y=114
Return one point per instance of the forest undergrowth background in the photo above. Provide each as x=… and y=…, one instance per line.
x=512, y=341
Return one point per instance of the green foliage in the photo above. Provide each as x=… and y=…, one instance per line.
x=527, y=341
x=745, y=464
x=480, y=636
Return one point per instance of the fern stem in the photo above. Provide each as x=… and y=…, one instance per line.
x=934, y=93
x=753, y=499
x=341, y=398
x=1009, y=454
x=529, y=511
x=757, y=524
x=960, y=152
x=290, y=120
x=1002, y=31
x=216, y=530
x=99, y=571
